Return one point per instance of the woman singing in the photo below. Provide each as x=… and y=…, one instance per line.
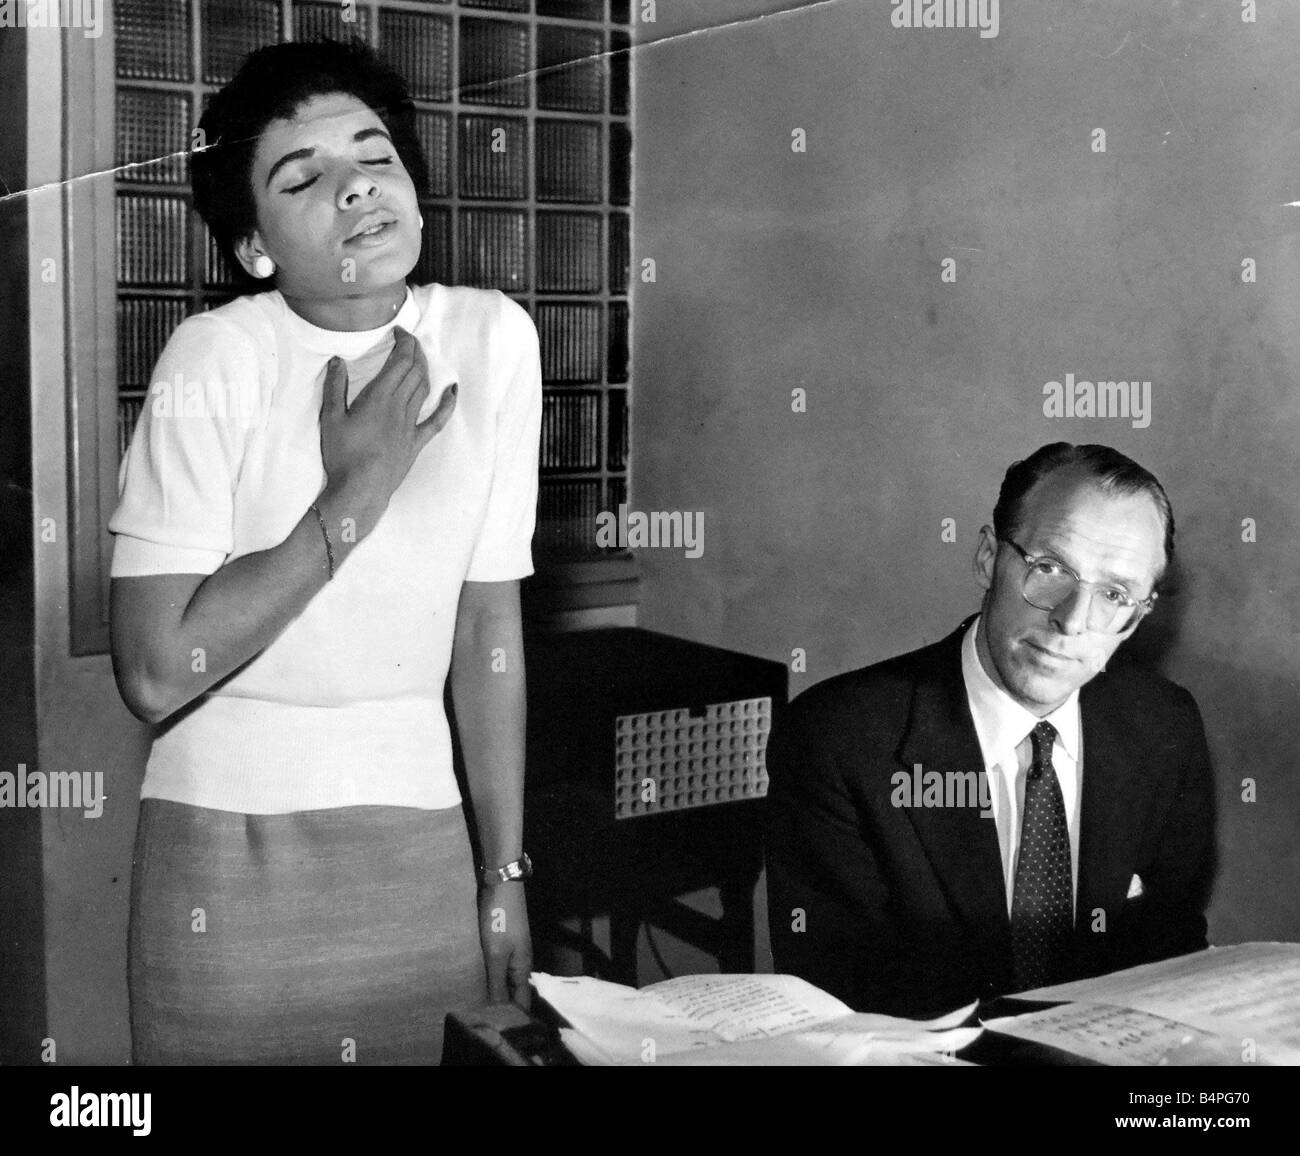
x=325, y=511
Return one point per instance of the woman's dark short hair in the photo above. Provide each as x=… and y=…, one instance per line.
x=272, y=84
x=1112, y=471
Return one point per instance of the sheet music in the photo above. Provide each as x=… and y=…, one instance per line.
x=749, y=1007
x=832, y=1045
x=1249, y=994
x=768, y=1019
x=621, y=1023
x=1118, y=1036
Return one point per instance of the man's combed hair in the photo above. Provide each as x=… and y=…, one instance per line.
x=272, y=84
x=1112, y=471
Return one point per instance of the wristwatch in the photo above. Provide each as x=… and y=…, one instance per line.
x=519, y=869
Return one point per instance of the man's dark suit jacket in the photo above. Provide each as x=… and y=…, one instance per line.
x=904, y=908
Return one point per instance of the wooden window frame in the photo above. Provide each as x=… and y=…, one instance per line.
x=89, y=242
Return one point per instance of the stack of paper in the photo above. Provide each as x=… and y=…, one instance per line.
x=738, y=1019
x=1227, y=1005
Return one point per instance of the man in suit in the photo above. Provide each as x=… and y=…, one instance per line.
x=1014, y=805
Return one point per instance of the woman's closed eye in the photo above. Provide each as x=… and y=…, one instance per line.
x=312, y=180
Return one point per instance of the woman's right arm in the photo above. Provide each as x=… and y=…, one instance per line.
x=175, y=636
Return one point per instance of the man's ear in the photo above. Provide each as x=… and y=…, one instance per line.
x=248, y=249
x=986, y=556
x=1124, y=635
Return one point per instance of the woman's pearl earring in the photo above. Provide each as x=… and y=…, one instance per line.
x=421, y=220
x=263, y=267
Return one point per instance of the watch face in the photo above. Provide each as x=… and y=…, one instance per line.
x=521, y=868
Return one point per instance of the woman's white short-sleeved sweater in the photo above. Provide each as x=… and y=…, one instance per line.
x=345, y=707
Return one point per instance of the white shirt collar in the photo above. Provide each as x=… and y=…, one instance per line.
x=348, y=344
x=1001, y=723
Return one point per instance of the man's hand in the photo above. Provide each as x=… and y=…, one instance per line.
x=507, y=944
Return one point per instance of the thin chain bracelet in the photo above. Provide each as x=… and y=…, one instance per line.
x=329, y=546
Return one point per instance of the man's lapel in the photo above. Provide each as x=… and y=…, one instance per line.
x=1111, y=810
x=961, y=845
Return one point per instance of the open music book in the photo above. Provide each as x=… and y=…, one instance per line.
x=738, y=1019
x=1227, y=1005
x=1224, y=1006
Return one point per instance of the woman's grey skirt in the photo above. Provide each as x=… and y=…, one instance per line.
x=333, y=936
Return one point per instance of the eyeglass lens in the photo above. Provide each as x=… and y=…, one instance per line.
x=1048, y=591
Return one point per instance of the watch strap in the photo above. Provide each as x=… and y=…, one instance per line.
x=514, y=871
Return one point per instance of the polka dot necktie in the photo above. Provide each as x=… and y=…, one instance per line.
x=1042, y=904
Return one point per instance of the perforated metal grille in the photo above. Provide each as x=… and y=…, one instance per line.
x=672, y=761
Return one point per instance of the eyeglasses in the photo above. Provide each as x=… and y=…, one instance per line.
x=1049, y=582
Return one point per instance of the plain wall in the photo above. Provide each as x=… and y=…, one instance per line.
x=821, y=270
